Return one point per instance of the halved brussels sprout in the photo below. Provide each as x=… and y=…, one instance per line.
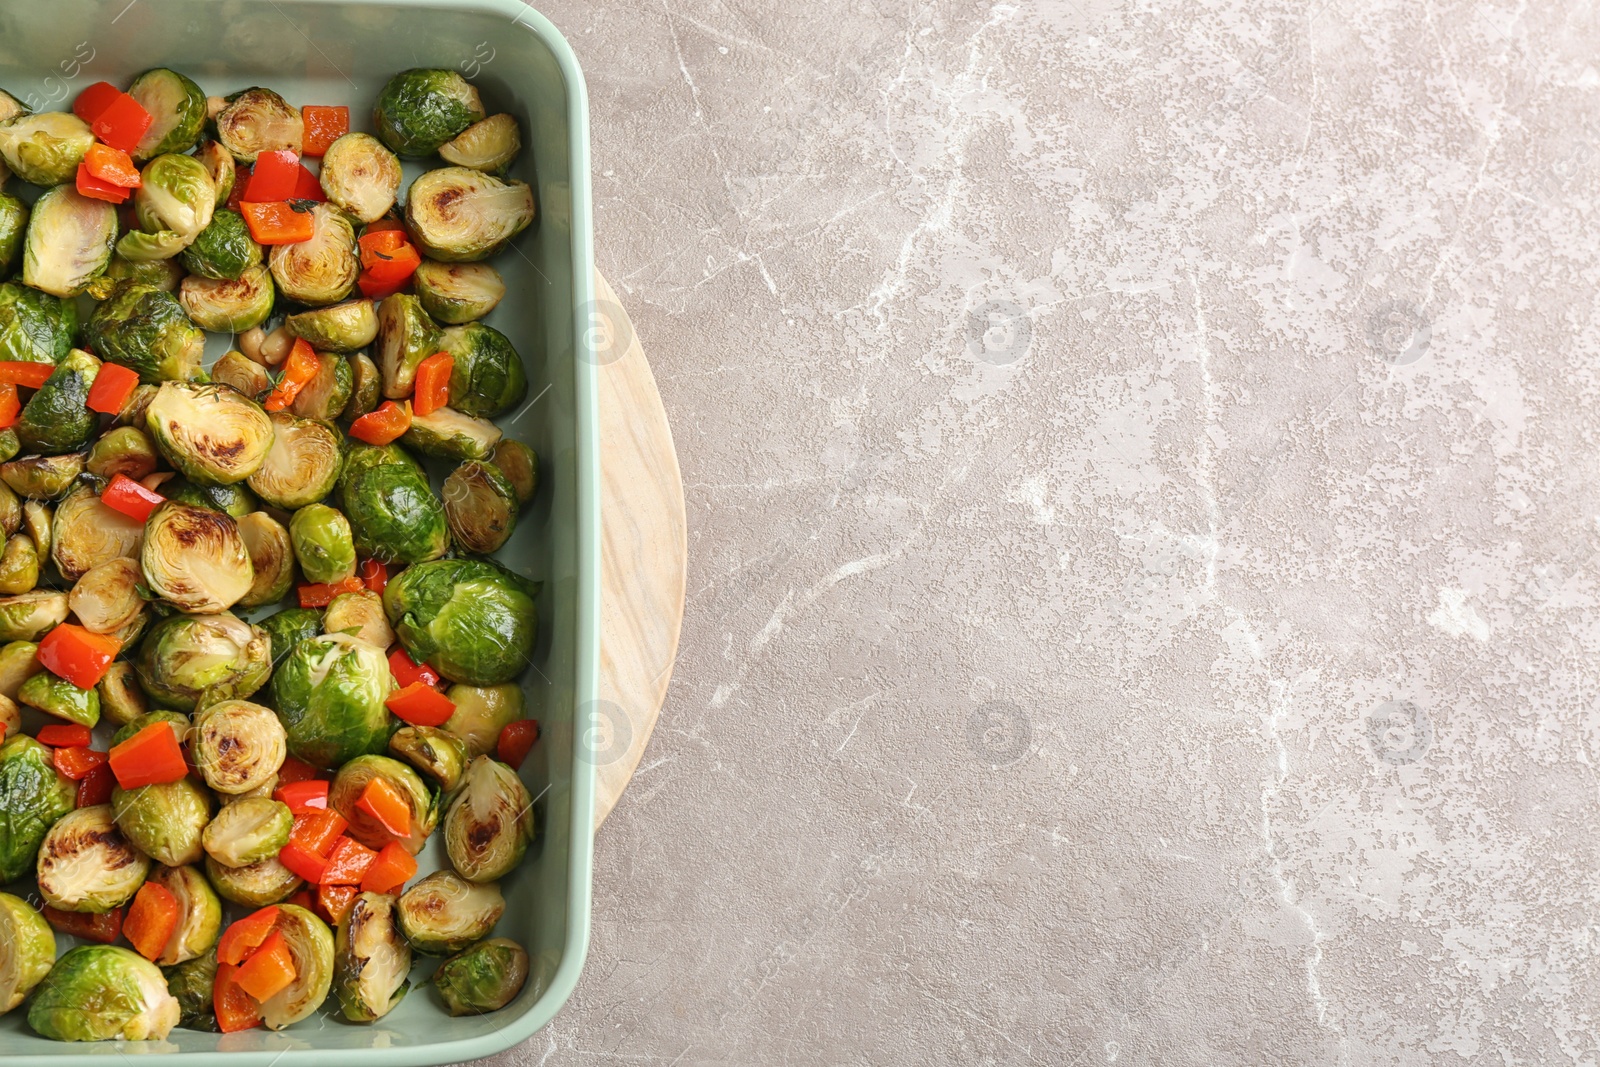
x=88, y=533
x=229, y=305
x=69, y=241
x=219, y=164
x=123, y=450
x=373, y=960
x=366, y=388
x=224, y=249
x=325, y=395
x=342, y=327
x=33, y=795
x=456, y=293
x=311, y=947
x=241, y=374
x=212, y=434
x=132, y=411
x=420, y=109
x=487, y=377
x=10, y=510
x=141, y=246
x=484, y=978
x=59, y=697
x=393, y=513
x=192, y=983
x=166, y=821
x=323, y=268
x=285, y=629
x=85, y=864
x=122, y=699
x=175, y=195
x=330, y=694
x=359, y=614
x=357, y=774
x=199, y=914
x=448, y=434
x=37, y=519
x=103, y=993
x=10, y=446
x=248, y=831
x=264, y=790
x=27, y=950
x=177, y=720
x=490, y=145
x=237, y=745
x=19, y=661
x=163, y=274
x=29, y=616
x=406, y=337
x=490, y=822
x=255, y=886
x=177, y=109
x=302, y=464
x=481, y=507
x=45, y=148
x=445, y=913
x=472, y=620
x=360, y=176
x=322, y=543
x=106, y=597
x=55, y=420
x=19, y=566
x=259, y=120
x=195, y=558
x=272, y=556
x=437, y=753
x=457, y=214
x=10, y=715
x=13, y=228
x=35, y=327
x=191, y=661
x=42, y=477
x=143, y=328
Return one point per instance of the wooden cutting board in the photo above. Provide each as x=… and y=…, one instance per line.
x=643, y=554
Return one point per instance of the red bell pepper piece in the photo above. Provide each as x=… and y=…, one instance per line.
x=307, y=187
x=302, y=861
x=113, y=385
x=321, y=594
x=303, y=797
x=387, y=255
x=277, y=223
x=374, y=575
x=406, y=671
x=152, y=918
x=273, y=177
x=348, y=862
x=384, y=803
x=334, y=901
x=112, y=165
x=98, y=188
x=243, y=935
x=78, y=762
x=235, y=1009
x=317, y=831
x=78, y=655
x=10, y=405
x=298, y=371
x=241, y=178
x=93, y=100
x=420, y=704
x=516, y=739
x=302, y=898
x=294, y=770
x=387, y=222
x=129, y=497
x=433, y=383
x=25, y=373
x=393, y=867
x=64, y=735
x=373, y=289
x=380, y=427
x=324, y=125
x=97, y=787
x=150, y=757
x=121, y=123
x=103, y=927
x=269, y=970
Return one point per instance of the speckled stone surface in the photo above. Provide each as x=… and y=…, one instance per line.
x=1142, y=507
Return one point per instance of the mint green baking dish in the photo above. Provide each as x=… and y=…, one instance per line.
x=341, y=52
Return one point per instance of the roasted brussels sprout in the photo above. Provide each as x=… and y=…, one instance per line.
x=123, y=450
x=177, y=109
x=356, y=774
x=42, y=477
x=192, y=982
x=490, y=145
x=140, y=246
x=445, y=913
x=487, y=377
x=237, y=745
x=106, y=597
x=10, y=715
x=224, y=249
x=456, y=293
x=69, y=241
x=132, y=411
x=489, y=823
x=19, y=566
x=342, y=327
x=10, y=446
x=248, y=831
x=420, y=109
x=366, y=387
x=191, y=661
x=29, y=616
x=322, y=543
x=241, y=374
x=19, y=661
x=199, y=914
x=360, y=176
x=59, y=697
x=484, y=978
x=175, y=195
x=286, y=629
x=311, y=947
x=87, y=533
x=472, y=620
x=439, y=754
x=229, y=306
x=122, y=699
x=27, y=950
x=143, y=328
x=359, y=614
x=272, y=556
x=259, y=120
x=54, y=420
x=177, y=720
x=323, y=268
x=393, y=513
x=103, y=993
x=302, y=464
x=325, y=395
x=372, y=959
x=330, y=694
x=32, y=797
x=45, y=148
x=406, y=337
x=195, y=558
x=35, y=327
x=85, y=864
x=481, y=507
x=236, y=500
x=163, y=274
x=212, y=434
x=13, y=228
x=255, y=886
x=10, y=510
x=448, y=434
x=37, y=520
x=457, y=214
x=165, y=821
x=219, y=164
